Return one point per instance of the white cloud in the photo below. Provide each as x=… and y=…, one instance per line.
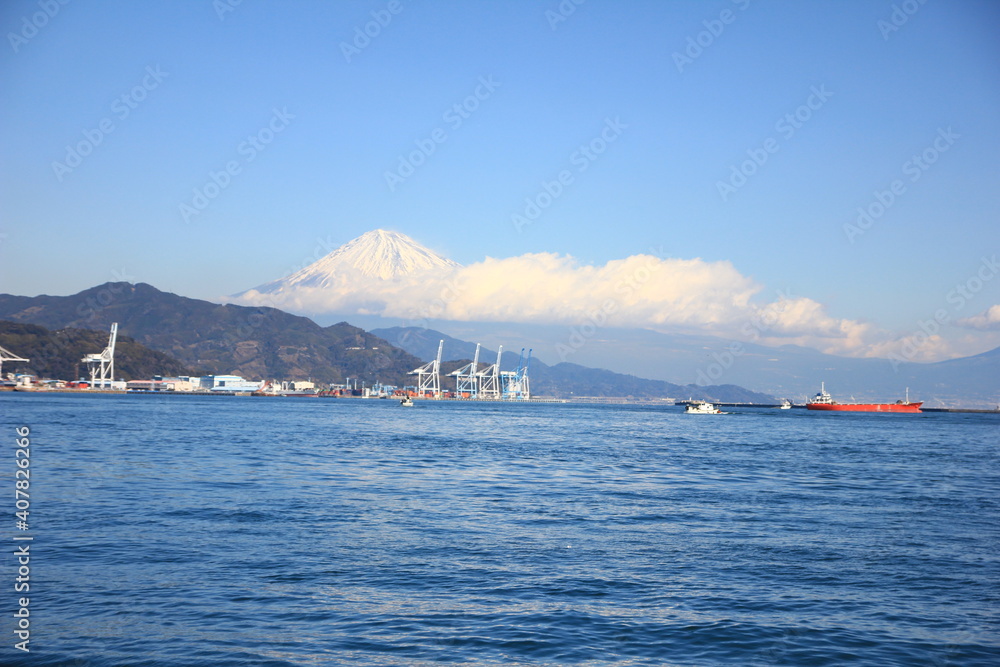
x=988, y=320
x=641, y=291
x=917, y=347
x=803, y=321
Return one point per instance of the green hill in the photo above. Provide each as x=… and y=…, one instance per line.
x=210, y=338
x=57, y=354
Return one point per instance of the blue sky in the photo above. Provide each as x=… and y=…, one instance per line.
x=182, y=86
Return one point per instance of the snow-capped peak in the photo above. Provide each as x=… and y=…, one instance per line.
x=376, y=254
x=386, y=255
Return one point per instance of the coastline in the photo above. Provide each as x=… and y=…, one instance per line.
x=580, y=400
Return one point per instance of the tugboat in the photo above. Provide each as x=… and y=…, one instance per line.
x=823, y=401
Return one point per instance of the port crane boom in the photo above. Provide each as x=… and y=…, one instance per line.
x=429, y=375
x=102, y=366
x=467, y=378
x=7, y=355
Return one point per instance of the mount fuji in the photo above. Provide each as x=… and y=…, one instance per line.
x=379, y=254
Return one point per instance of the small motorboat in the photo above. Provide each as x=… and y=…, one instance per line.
x=702, y=408
x=407, y=402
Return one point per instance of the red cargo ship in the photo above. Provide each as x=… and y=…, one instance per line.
x=823, y=401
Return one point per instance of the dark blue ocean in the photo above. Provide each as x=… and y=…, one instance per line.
x=217, y=531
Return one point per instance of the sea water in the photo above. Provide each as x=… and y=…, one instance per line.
x=216, y=531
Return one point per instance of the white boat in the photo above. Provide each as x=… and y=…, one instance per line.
x=406, y=402
x=702, y=408
x=786, y=405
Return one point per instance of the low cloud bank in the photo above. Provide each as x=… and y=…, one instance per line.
x=641, y=291
x=988, y=320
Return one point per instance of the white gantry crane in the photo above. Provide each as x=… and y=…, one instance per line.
x=7, y=355
x=489, y=379
x=467, y=379
x=102, y=366
x=429, y=375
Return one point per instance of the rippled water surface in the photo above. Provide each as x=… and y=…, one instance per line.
x=244, y=531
